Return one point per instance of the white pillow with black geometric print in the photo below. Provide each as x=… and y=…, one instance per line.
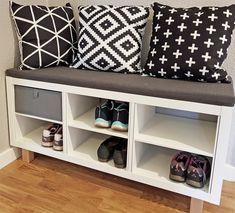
x=47, y=35
x=190, y=43
x=110, y=38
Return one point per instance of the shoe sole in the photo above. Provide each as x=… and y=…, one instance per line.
x=103, y=160
x=119, y=126
x=58, y=148
x=194, y=183
x=101, y=123
x=177, y=178
x=120, y=166
x=47, y=144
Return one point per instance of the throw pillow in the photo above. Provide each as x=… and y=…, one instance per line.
x=190, y=43
x=47, y=35
x=110, y=38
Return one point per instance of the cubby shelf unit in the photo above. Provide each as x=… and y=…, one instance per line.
x=158, y=128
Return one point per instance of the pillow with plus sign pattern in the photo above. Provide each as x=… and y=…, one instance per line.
x=110, y=38
x=190, y=43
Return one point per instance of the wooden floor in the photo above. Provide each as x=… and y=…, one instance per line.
x=49, y=185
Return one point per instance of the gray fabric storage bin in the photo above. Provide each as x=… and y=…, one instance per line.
x=38, y=102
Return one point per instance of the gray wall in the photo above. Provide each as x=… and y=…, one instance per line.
x=9, y=56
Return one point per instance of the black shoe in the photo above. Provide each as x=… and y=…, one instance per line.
x=120, y=154
x=120, y=117
x=106, y=149
x=104, y=114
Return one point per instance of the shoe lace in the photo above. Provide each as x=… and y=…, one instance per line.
x=182, y=157
x=198, y=163
x=122, y=107
x=107, y=103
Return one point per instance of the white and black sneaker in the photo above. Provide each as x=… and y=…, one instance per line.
x=104, y=114
x=120, y=117
x=48, y=135
x=58, y=140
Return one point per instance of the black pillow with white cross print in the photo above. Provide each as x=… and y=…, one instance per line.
x=190, y=43
x=47, y=35
x=110, y=38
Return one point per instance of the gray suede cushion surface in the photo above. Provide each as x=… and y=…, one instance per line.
x=209, y=93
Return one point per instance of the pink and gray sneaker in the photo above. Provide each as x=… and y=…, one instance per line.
x=179, y=165
x=198, y=171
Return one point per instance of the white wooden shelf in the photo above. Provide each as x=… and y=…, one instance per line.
x=87, y=152
x=86, y=122
x=32, y=141
x=154, y=165
x=153, y=138
x=38, y=118
x=173, y=132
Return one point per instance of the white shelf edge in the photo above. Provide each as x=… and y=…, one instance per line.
x=102, y=166
x=79, y=125
x=167, y=184
x=39, y=149
x=38, y=118
x=176, y=145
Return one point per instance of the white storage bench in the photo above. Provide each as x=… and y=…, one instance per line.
x=165, y=116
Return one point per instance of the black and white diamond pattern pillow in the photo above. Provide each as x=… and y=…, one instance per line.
x=190, y=43
x=47, y=35
x=110, y=38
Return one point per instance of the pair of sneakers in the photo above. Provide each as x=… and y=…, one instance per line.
x=194, y=169
x=112, y=115
x=53, y=137
x=113, y=148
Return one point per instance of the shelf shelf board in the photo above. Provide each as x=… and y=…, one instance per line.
x=155, y=166
x=179, y=133
x=32, y=142
x=38, y=118
x=87, y=152
x=86, y=122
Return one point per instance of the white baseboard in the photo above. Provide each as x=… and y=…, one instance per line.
x=229, y=172
x=8, y=156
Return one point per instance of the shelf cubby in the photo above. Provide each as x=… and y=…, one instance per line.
x=192, y=134
x=86, y=122
x=153, y=164
x=84, y=145
x=81, y=114
x=29, y=133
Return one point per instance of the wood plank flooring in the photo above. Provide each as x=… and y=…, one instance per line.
x=48, y=185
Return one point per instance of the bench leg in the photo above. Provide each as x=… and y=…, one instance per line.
x=196, y=206
x=27, y=156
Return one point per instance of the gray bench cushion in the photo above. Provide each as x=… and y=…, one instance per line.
x=209, y=93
